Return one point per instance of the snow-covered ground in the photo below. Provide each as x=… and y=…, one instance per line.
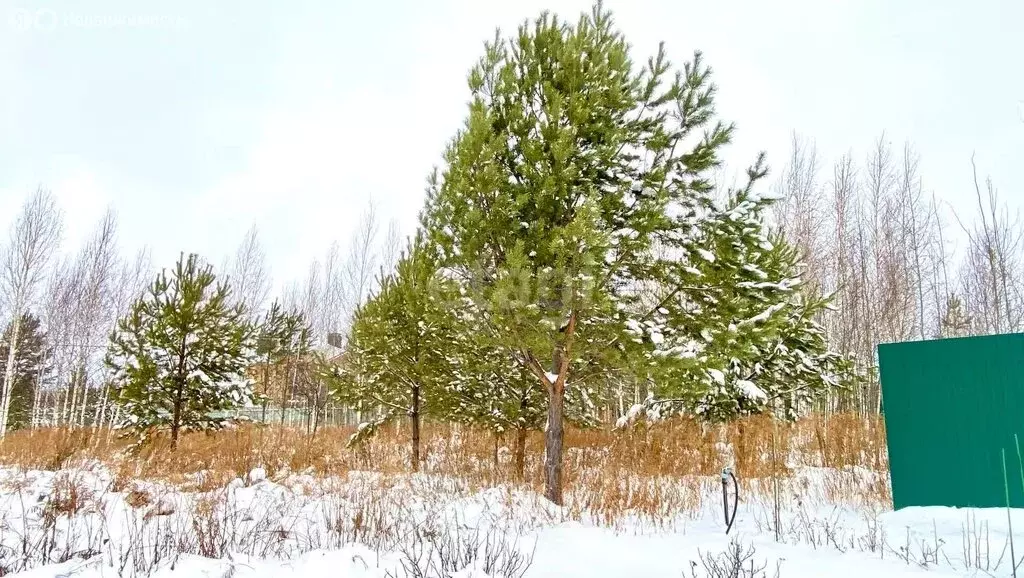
x=84, y=522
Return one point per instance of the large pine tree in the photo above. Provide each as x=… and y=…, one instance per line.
x=179, y=356
x=578, y=209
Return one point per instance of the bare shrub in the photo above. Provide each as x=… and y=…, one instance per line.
x=737, y=561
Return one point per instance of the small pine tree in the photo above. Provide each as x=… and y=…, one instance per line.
x=955, y=321
x=397, y=354
x=31, y=369
x=487, y=387
x=282, y=339
x=179, y=356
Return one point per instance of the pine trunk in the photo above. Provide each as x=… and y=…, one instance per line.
x=554, y=435
x=414, y=417
x=494, y=452
x=553, y=439
x=520, y=451
x=284, y=398
x=179, y=399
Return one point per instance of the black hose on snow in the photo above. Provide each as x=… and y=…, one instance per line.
x=726, y=476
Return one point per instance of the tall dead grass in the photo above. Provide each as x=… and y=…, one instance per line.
x=607, y=471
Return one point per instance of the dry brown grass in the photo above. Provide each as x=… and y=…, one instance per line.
x=69, y=497
x=607, y=472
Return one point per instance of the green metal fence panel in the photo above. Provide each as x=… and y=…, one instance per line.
x=951, y=407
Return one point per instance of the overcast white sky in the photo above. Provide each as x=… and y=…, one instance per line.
x=195, y=119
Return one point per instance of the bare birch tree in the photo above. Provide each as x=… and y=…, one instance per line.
x=248, y=273
x=939, y=256
x=993, y=274
x=916, y=229
x=361, y=263
x=100, y=263
x=801, y=212
x=56, y=311
x=35, y=236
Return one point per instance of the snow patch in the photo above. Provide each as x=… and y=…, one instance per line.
x=751, y=391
